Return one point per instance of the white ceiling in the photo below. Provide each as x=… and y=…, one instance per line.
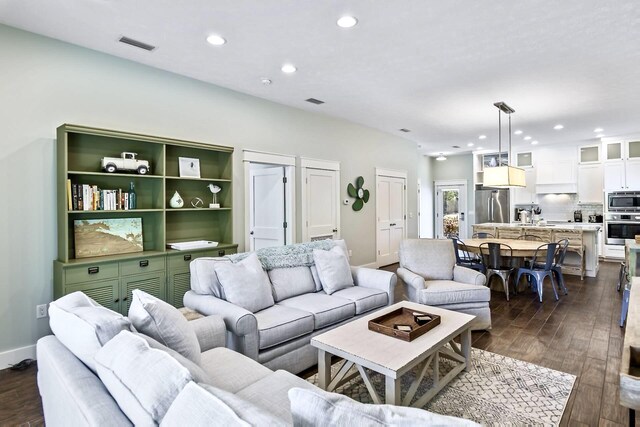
x=435, y=67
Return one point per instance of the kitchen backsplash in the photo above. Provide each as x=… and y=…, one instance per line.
x=560, y=207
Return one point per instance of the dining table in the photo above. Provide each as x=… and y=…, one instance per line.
x=521, y=248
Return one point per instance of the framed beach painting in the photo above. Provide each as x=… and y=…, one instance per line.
x=100, y=237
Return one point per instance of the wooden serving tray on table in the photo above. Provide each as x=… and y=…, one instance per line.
x=403, y=316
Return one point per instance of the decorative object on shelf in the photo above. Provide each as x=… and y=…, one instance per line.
x=214, y=190
x=189, y=167
x=176, y=201
x=504, y=176
x=100, y=237
x=194, y=244
x=127, y=162
x=197, y=202
x=133, y=202
x=360, y=194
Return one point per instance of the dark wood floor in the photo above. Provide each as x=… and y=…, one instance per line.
x=578, y=334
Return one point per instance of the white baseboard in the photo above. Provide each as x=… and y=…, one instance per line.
x=370, y=265
x=11, y=357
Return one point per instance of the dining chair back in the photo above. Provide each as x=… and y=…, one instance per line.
x=561, y=252
x=465, y=258
x=483, y=235
x=492, y=258
x=537, y=271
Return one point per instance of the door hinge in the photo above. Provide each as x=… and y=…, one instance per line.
x=284, y=224
x=306, y=180
x=405, y=187
x=284, y=179
x=405, y=217
x=378, y=252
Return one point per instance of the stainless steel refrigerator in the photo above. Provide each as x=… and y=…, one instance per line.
x=492, y=205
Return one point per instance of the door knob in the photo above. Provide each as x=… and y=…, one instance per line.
x=335, y=230
x=251, y=233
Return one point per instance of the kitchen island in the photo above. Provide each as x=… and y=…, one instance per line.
x=582, y=254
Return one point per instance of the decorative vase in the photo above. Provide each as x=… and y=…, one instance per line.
x=176, y=201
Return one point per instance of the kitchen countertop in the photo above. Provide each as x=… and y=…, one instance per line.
x=585, y=226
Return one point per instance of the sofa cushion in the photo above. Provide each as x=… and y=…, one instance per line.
x=316, y=407
x=245, y=283
x=333, y=269
x=246, y=410
x=326, y=309
x=230, y=370
x=278, y=324
x=276, y=401
x=144, y=381
x=290, y=282
x=164, y=323
x=433, y=259
x=365, y=299
x=443, y=292
x=84, y=326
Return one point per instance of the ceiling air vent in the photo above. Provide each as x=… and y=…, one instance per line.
x=136, y=43
x=455, y=146
x=314, y=101
x=405, y=130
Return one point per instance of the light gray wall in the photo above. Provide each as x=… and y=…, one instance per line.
x=45, y=83
x=458, y=167
x=425, y=174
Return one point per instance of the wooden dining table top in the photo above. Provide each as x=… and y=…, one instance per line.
x=521, y=248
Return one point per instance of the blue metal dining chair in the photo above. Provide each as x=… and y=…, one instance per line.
x=493, y=262
x=537, y=271
x=464, y=258
x=557, y=264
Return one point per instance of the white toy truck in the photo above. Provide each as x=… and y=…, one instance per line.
x=126, y=162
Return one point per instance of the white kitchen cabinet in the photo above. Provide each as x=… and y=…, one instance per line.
x=556, y=176
x=590, y=183
x=613, y=151
x=601, y=242
x=632, y=174
x=526, y=195
x=622, y=166
x=589, y=154
x=614, y=179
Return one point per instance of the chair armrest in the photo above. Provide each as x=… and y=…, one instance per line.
x=375, y=279
x=468, y=275
x=240, y=323
x=411, y=279
x=210, y=330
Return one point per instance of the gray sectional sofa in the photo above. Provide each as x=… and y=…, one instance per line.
x=279, y=335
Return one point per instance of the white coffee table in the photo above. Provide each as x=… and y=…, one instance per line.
x=392, y=357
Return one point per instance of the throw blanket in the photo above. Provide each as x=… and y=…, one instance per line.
x=300, y=254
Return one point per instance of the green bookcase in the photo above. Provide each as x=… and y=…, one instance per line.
x=157, y=270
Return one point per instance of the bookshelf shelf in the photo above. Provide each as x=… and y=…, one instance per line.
x=164, y=272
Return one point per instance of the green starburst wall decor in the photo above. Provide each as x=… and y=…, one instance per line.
x=360, y=194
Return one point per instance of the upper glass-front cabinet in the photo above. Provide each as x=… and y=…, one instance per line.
x=613, y=150
x=622, y=150
x=524, y=160
x=633, y=149
x=589, y=154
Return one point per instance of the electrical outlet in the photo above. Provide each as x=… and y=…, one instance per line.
x=41, y=311
x=350, y=253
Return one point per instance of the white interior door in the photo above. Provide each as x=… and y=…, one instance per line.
x=267, y=207
x=451, y=211
x=322, y=208
x=390, y=200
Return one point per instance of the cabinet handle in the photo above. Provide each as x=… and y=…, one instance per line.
x=116, y=300
x=93, y=270
x=187, y=257
x=144, y=263
x=125, y=299
x=221, y=253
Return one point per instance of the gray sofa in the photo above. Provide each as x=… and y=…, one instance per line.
x=430, y=275
x=279, y=336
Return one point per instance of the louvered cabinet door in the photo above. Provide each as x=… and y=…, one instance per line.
x=153, y=283
x=106, y=292
x=178, y=285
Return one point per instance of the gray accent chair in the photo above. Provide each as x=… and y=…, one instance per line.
x=430, y=275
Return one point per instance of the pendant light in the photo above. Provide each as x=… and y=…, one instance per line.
x=504, y=176
x=441, y=157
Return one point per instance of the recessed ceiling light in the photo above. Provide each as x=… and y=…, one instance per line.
x=216, y=40
x=482, y=137
x=289, y=68
x=534, y=142
x=470, y=144
x=558, y=127
x=598, y=130
x=600, y=135
x=347, y=22
x=526, y=138
x=518, y=132
x=265, y=81
x=480, y=148
x=441, y=158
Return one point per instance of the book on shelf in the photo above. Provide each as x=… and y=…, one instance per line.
x=84, y=197
x=194, y=244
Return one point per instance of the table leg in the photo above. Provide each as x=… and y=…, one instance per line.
x=465, y=344
x=392, y=391
x=324, y=369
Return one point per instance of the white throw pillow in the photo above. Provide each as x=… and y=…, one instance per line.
x=84, y=326
x=316, y=407
x=245, y=283
x=164, y=323
x=143, y=381
x=333, y=269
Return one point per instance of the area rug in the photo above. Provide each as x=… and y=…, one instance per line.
x=497, y=390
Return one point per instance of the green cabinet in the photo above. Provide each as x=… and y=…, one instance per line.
x=157, y=270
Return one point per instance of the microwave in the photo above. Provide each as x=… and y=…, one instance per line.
x=627, y=201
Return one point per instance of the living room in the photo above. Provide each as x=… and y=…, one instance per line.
x=384, y=115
